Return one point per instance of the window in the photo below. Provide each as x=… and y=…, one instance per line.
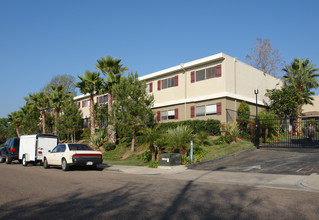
x=208, y=73
x=169, y=115
x=149, y=87
x=205, y=110
x=170, y=82
x=86, y=103
x=103, y=99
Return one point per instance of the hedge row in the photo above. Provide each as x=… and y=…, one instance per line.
x=212, y=127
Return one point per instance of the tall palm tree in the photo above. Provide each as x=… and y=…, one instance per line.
x=16, y=118
x=41, y=100
x=91, y=83
x=303, y=76
x=112, y=68
x=57, y=98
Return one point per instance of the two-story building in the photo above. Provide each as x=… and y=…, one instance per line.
x=207, y=88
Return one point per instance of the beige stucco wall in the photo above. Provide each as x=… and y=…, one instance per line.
x=311, y=108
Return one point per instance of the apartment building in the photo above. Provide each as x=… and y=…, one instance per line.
x=209, y=88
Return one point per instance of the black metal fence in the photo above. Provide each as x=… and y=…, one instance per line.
x=288, y=133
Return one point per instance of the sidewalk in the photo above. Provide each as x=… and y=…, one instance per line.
x=294, y=182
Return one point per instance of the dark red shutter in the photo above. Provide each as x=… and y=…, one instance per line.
x=159, y=85
x=192, y=111
x=192, y=76
x=176, y=113
x=82, y=104
x=158, y=116
x=176, y=80
x=219, y=108
x=151, y=87
x=97, y=100
x=218, y=70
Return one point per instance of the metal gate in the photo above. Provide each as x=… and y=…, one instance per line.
x=288, y=133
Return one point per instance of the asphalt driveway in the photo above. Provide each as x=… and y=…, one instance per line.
x=267, y=161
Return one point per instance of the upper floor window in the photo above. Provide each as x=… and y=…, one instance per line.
x=207, y=73
x=167, y=83
x=86, y=103
x=102, y=99
x=149, y=87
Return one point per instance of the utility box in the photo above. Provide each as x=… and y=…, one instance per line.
x=170, y=159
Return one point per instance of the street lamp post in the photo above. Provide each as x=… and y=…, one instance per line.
x=257, y=121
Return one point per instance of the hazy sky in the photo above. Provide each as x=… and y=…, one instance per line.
x=44, y=38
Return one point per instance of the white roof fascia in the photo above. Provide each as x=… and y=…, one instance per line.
x=208, y=97
x=184, y=66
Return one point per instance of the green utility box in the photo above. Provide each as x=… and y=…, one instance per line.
x=170, y=159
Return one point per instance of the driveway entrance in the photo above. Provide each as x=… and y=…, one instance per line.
x=267, y=161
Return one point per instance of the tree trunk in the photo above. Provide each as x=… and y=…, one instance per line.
x=299, y=120
x=153, y=152
x=92, y=118
x=110, y=128
x=17, y=129
x=133, y=139
x=43, y=122
x=56, y=113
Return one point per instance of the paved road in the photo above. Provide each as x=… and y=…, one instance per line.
x=35, y=193
x=268, y=161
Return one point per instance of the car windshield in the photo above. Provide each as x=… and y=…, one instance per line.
x=78, y=147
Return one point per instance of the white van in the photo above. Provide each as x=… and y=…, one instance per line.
x=33, y=147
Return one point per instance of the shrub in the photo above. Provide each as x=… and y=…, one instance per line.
x=210, y=126
x=153, y=164
x=98, y=139
x=86, y=133
x=227, y=139
x=146, y=156
x=219, y=141
x=109, y=146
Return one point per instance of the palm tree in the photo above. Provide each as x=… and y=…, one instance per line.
x=91, y=83
x=16, y=118
x=112, y=68
x=57, y=98
x=149, y=136
x=180, y=138
x=302, y=75
x=41, y=100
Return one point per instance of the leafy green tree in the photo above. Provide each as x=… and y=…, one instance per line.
x=30, y=122
x=91, y=83
x=57, y=99
x=243, y=114
x=180, y=138
x=132, y=106
x=284, y=101
x=113, y=69
x=15, y=118
x=267, y=122
x=150, y=136
x=41, y=100
x=70, y=121
x=66, y=80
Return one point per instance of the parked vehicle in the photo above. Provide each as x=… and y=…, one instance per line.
x=33, y=147
x=67, y=155
x=10, y=151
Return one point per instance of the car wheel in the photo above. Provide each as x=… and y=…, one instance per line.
x=45, y=164
x=65, y=165
x=24, y=161
x=2, y=159
x=8, y=159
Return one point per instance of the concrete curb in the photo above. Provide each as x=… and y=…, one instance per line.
x=311, y=182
